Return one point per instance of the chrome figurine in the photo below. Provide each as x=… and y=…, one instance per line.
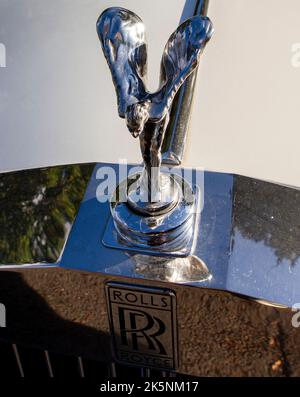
x=122, y=36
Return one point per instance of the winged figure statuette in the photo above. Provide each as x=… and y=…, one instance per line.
x=122, y=36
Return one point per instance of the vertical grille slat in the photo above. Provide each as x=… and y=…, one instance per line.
x=48, y=362
x=8, y=364
x=18, y=360
x=113, y=370
x=80, y=366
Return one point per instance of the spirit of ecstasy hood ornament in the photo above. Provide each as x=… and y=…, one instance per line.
x=155, y=202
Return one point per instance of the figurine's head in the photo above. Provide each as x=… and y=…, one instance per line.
x=137, y=115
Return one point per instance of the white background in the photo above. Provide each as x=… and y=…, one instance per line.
x=58, y=105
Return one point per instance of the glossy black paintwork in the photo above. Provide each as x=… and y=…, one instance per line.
x=37, y=210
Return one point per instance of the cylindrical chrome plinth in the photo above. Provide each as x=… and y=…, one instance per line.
x=167, y=226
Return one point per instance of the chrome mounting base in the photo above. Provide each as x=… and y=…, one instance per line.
x=167, y=227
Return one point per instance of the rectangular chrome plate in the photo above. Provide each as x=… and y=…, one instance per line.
x=143, y=325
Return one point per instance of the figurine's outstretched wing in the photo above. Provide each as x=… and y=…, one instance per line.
x=181, y=56
x=122, y=36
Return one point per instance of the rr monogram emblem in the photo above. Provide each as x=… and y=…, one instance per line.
x=143, y=325
x=145, y=332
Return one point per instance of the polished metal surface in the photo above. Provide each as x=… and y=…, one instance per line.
x=37, y=210
x=174, y=143
x=247, y=239
x=171, y=233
